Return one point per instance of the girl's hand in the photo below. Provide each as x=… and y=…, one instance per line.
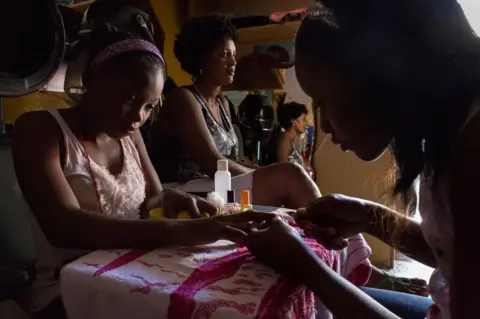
x=279, y=246
x=175, y=201
x=232, y=227
x=334, y=218
x=413, y=286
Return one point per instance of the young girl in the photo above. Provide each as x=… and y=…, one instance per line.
x=86, y=176
x=403, y=75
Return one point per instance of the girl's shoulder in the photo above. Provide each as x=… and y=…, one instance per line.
x=284, y=143
x=37, y=123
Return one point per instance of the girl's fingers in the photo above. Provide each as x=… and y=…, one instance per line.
x=300, y=213
x=326, y=236
x=233, y=234
x=320, y=231
x=332, y=243
x=418, y=282
x=286, y=217
x=326, y=231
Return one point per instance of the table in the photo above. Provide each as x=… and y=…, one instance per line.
x=221, y=280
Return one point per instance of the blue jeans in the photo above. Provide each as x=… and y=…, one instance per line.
x=404, y=305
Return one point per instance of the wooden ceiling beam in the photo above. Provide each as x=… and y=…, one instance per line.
x=245, y=7
x=81, y=6
x=272, y=33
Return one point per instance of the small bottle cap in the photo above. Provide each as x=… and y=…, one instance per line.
x=156, y=213
x=245, y=199
x=222, y=165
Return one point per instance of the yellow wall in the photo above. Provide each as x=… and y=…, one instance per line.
x=170, y=16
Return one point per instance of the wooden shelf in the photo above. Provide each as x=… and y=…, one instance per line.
x=244, y=8
x=252, y=77
x=271, y=33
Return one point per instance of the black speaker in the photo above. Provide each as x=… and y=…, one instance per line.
x=33, y=43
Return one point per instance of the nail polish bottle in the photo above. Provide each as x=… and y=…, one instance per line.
x=245, y=201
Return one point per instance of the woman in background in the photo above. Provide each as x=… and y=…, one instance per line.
x=86, y=175
x=200, y=118
x=403, y=75
x=292, y=118
x=196, y=127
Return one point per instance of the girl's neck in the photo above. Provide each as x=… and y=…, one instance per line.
x=208, y=90
x=290, y=134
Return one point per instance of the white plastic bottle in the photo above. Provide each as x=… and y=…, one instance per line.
x=223, y=179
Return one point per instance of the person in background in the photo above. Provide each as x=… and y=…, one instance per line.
x=292, y=118
x=196, y=127
x=379, y=83
x=199, y=116
x=86, y=176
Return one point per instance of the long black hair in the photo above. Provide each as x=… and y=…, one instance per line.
x=417, y=63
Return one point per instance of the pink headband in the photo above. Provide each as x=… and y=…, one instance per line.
x=129, y=45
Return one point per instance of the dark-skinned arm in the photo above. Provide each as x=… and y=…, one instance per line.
x=194, y=136
x=154, y=191
x=330, y=288
x=403, y=233
x=463, y=200
x=284, y=149
x=54, y=204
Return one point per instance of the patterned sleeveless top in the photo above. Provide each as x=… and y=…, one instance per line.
x=121, y=197
x=224, y=137
x=295, y=156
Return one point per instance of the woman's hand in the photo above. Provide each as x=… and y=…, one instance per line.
x=174, y=201
x=279, y=246
x=334, y=218
x=251, y=165
x=232, y=227
x=381, y=280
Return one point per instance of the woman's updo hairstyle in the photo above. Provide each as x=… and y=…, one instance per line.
x=198, y=39
x=288, y=112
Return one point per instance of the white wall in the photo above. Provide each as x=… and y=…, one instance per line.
x=293, y=90
x=472, y=11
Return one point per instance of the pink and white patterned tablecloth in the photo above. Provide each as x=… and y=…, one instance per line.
x=221, y=280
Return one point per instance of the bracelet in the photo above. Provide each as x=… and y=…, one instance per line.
x=394, y=280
